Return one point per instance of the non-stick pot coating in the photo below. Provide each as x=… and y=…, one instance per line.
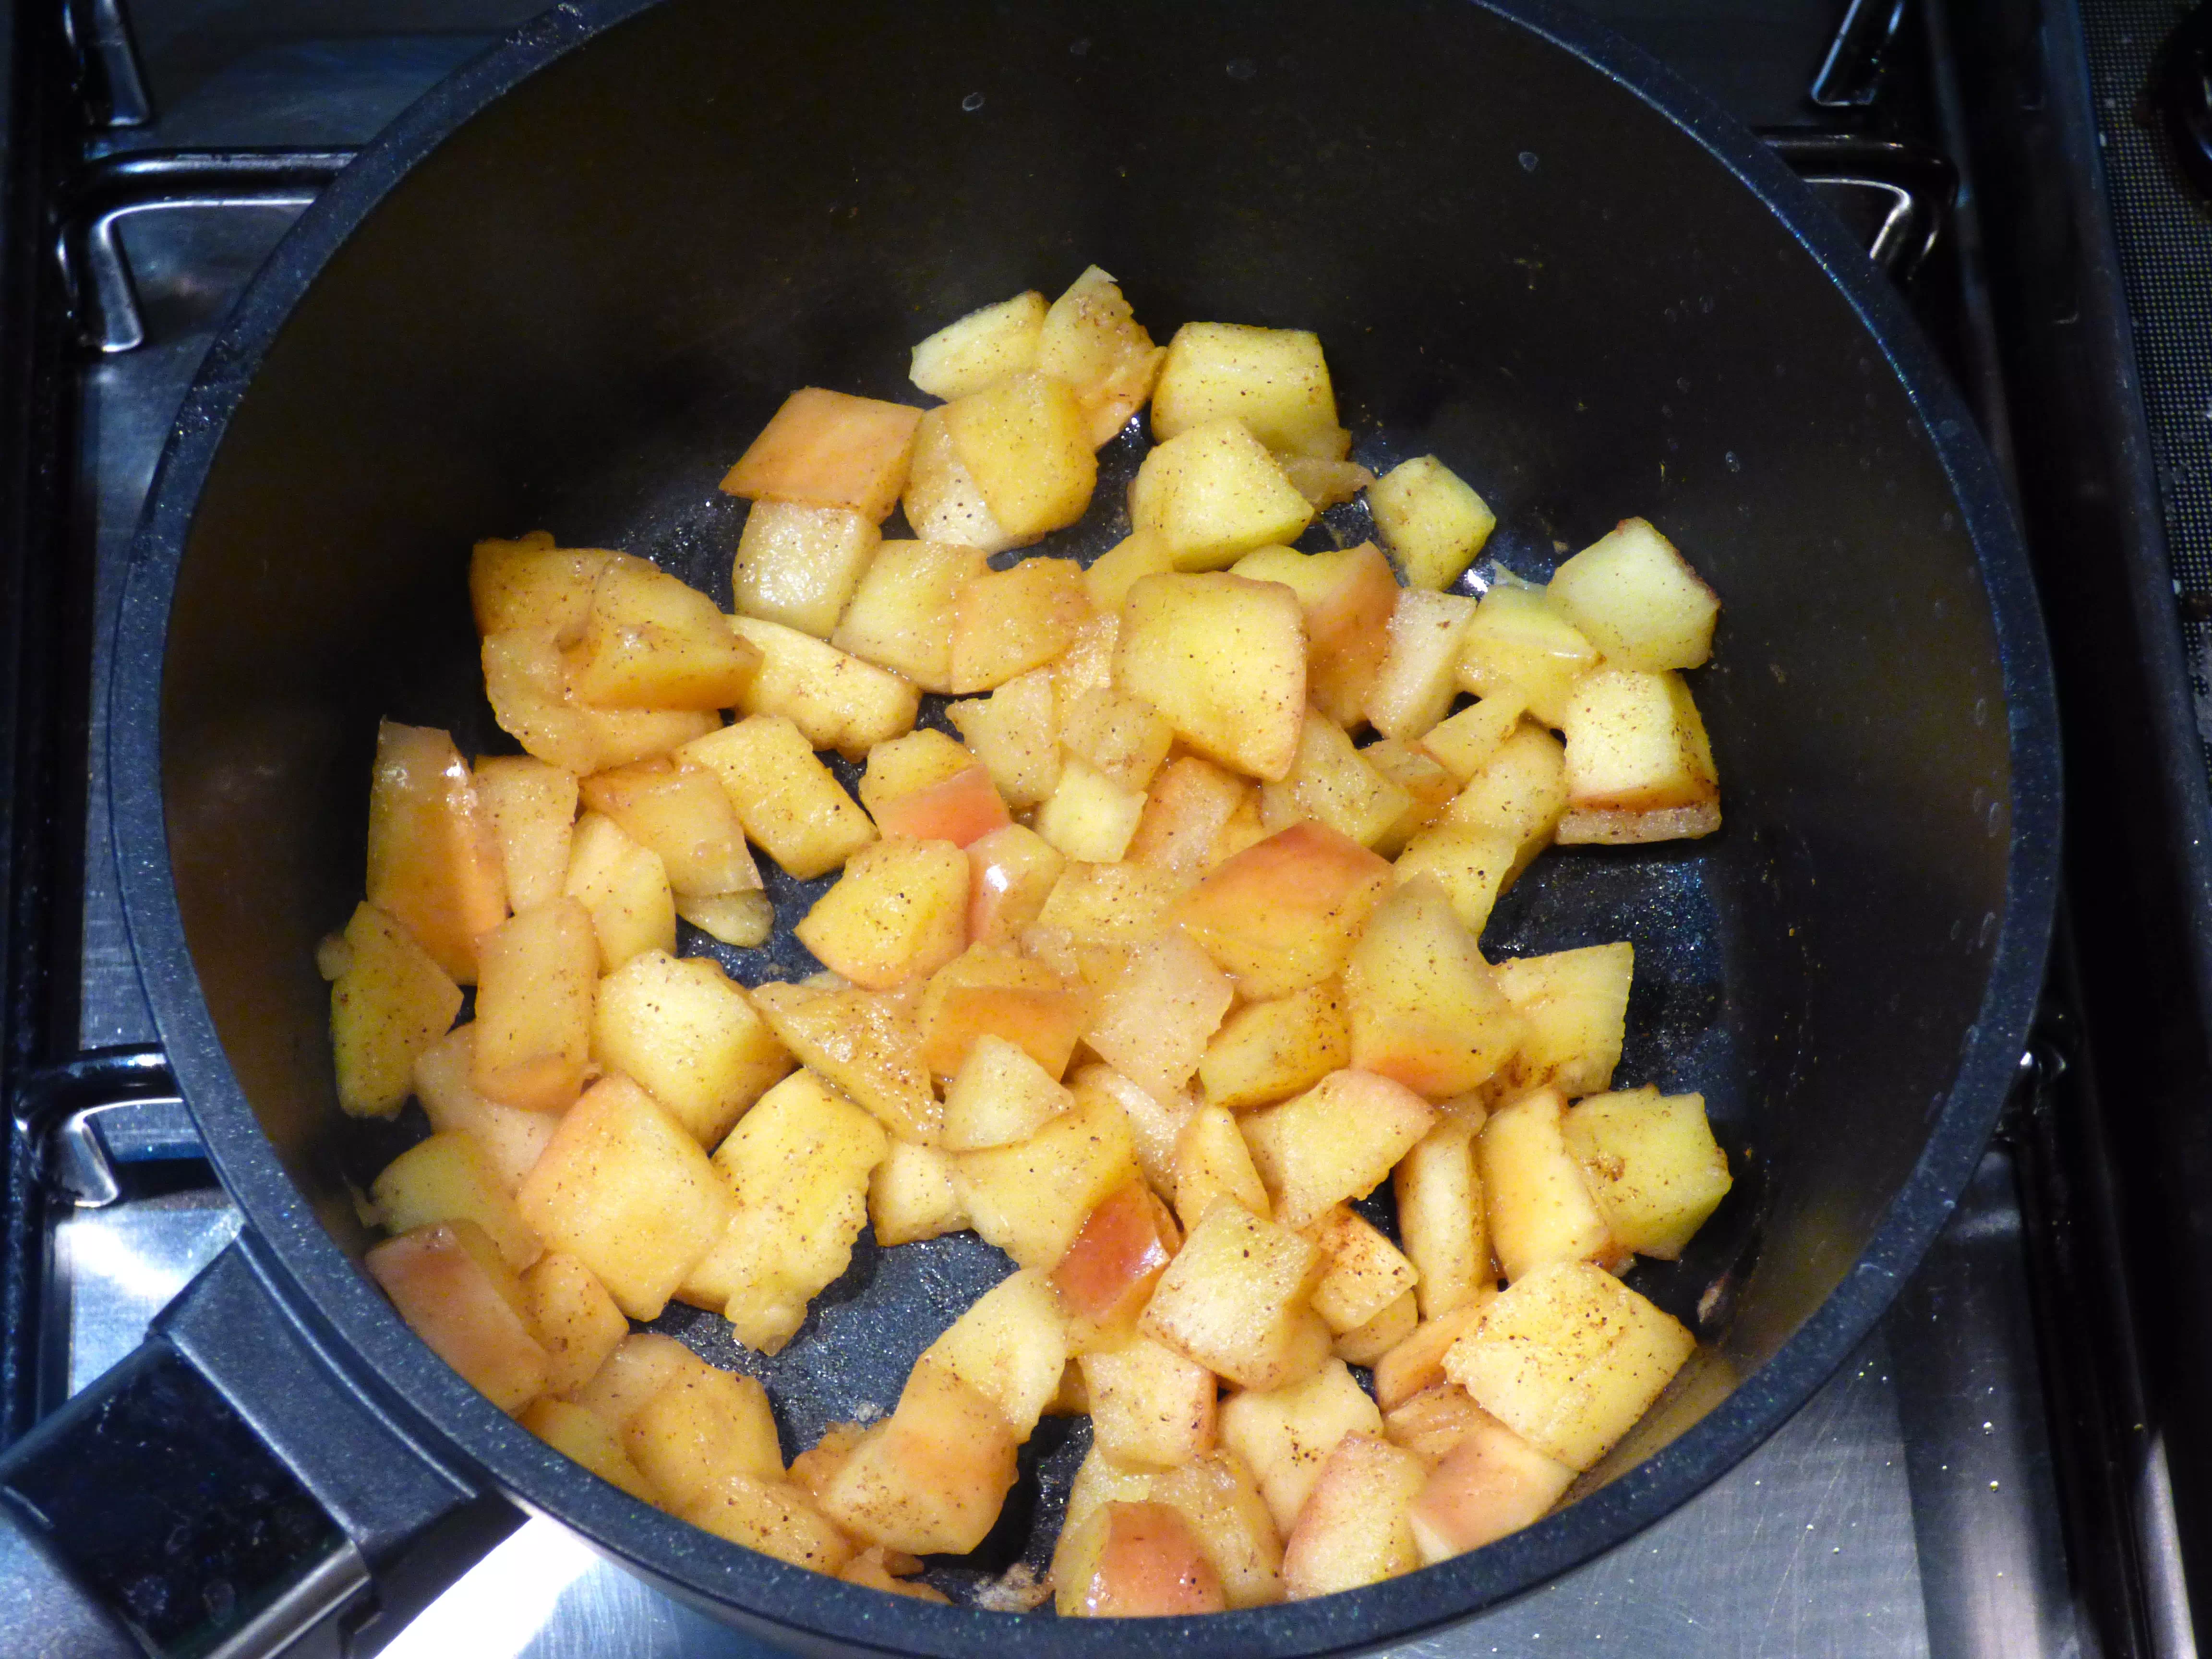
x=578, y=307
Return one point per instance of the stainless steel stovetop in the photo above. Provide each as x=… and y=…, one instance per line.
x=1913, y=1507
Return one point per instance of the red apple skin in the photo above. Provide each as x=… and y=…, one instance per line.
x=1348, y=636
x=1282, y=914
x=961, y=808
x=1043, y=1024
x=1149, y=1566
x=1107, y=1275
x=451, y=1296
x=1491, y=1483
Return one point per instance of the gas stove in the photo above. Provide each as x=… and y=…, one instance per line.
x=1987, y=1476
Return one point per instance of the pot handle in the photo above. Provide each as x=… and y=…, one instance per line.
x=223, y=1491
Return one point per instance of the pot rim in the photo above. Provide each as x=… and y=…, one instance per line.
x=365, y=1340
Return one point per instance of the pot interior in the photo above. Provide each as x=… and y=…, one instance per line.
x=577, y=311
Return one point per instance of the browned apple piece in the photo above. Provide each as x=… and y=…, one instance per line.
x=929, y=1478
x=961, y=808
x=1119, y=1253
x=653, y=642
x=1356, y=1527
x=537, y=976
x=529, y=582
x=682, y=811
x=1491, y=1483
x=1137, y=1561
x=830, y=449
x=1238, y=1298
x=1283, y=914
x=452, y=1286
x=434, y=859
x=989, y=990
x=771, y=1517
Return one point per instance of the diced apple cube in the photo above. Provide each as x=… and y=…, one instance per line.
x=1222, y=659
x=900, y=909
x=1221, y=1501
x=771, y=1517
x=1366, y=1272
x=943, y=501
x=1336, y=1141
x=1327, y=483
x=534, y=1007
x=1156, y=1120
x=1637, y=599
x=1122, y=905
x=1469, y=740
x=1107, y=1274
x=456, y=1292
x=1031, y=1199
x=960, y=809
x=1442, y=1220
x=931, y=1478
x=1010, y=1347
x=1285, y=1434
x=985, y=345
x=1212, y=1161
x=1015, y=732
x=741, y=919
x=1282, y=915
x=989, y=991
x=575, y=1319
x=1149, y=1405
x=791, y=805
x=1348, y=595
x=1356, y=1527
x=1415, y=687
x=912, y=1195
x=1274, y=381
x=1365, y=1345
x=686, y=1031
x=701, y=1426
x=1154, y=1023
x=1492, y=1483
x=830, y=449
x=1122, y=736
x=511, y=1139
x=1213, y=494
x=1538, y=1208
x=1331, y=782
x=1426, y=1011
x=448, y=1178
x=998, y=1096
x=1191, y=805
x=526, y=686
x=1472, y=865
x=1638, y=764
x=1089, y=816
x=1569, y=1357
x=433, y=857
x=532, y=808
x=837, y=700
x=1025, y=442
x=531, y=583
x=1109, y=578
x=1433, y=1421
x=1417, y=1363
x=1520, y=795
x=1429, y=790
x=863, y=1044
x=1134, y=1560
x=1237, y=1300
x=651, y=641
x=798, y=565
x=1651, y=1164
x=389, y=1004
x=1006, y=622
x=626, y=1189
x=1576, y=1003
x=1520, y=646
x=901, y=617
x=1269, y=1051
x=625, y=887
x=583, y=1437
x=798, y=1166
x=1092, y=340
x=684, y=814
x=639, y=1366
x=1086, y=667
x=1431, y=519
x=1099, y=1480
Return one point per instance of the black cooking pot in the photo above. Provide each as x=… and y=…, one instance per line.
x=566, y=288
